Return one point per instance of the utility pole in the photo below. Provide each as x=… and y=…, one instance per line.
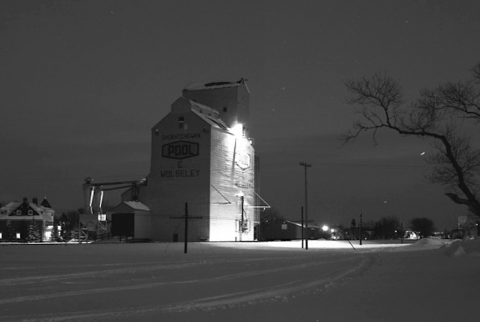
x=303, y=228
x=306, y=165
x=186, y=217
x=401, y=232
x=360, y=230
x=186, y=229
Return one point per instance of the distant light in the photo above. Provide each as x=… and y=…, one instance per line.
x=325, y=228
x=422, y=153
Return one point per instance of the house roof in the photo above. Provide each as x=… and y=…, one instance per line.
x=11, y=207
x=45, y=203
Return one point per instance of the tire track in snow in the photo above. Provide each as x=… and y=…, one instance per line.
x=136, y=268
x=224, y=301
x=148, y=285
x=277, y=291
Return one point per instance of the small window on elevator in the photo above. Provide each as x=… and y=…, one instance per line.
x=181, y=122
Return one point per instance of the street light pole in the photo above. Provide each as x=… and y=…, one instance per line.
x=306, y=165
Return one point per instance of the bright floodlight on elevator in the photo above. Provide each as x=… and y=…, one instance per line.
x=238, y=130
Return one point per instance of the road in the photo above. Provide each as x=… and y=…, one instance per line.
x=141, y=281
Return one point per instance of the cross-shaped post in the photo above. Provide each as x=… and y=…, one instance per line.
x=186, y=217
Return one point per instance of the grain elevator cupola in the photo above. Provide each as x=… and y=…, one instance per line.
x=230, y=99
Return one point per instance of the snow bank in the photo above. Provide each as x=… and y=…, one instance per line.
x=455, y=248
x=435, y=242
x=465, y=247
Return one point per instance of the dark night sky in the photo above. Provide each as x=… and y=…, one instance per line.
x=82, y=83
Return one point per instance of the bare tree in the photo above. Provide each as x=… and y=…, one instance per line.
x=387, y=227
x=440, y=114
x=423, y=226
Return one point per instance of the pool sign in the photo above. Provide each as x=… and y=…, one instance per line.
x=242, y=160
x=180, y=150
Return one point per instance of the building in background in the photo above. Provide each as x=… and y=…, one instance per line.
x=203, y=165
x=289, y=230
x=26, y=221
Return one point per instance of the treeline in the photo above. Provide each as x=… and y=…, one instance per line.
x=387, y=228
x=384, y=228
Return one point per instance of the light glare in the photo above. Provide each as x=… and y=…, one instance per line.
x=237, y=130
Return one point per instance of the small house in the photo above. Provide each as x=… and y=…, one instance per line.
x=26, y=221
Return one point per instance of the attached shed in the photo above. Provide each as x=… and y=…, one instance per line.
x=131, y=218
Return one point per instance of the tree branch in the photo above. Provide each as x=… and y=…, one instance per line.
x=380, y=105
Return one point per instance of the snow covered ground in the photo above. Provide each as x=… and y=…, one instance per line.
x=430, y=280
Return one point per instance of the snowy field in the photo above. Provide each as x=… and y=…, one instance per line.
x=430, y=280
